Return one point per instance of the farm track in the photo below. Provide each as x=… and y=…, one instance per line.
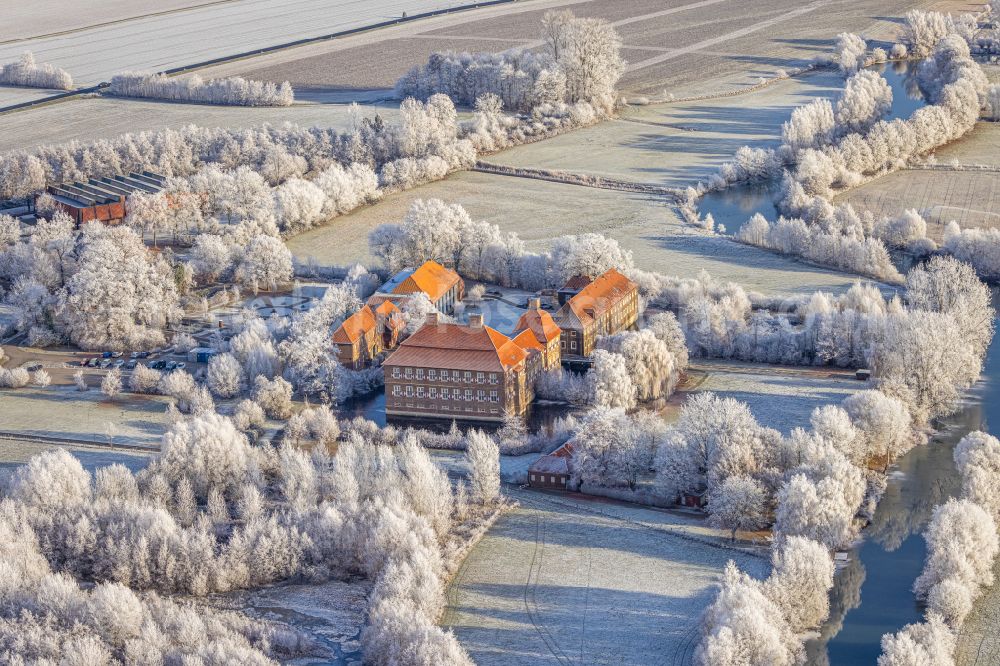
x=569, y=178
x=69, y=441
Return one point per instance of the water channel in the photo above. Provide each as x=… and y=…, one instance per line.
x=873, y=593
x=735, y=205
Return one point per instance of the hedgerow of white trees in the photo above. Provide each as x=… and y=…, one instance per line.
x=758, y=622
x=581, y=65
x=27, y=72
x=234, y=91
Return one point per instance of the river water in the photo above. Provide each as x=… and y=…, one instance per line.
x=735, y=205
x=873, y=595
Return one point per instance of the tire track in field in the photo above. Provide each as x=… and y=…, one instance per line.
x=531, y=592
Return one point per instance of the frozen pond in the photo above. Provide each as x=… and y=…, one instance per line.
x=735, y=205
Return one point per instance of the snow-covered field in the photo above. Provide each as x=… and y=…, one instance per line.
x=163, y=41
x=14, y=453
x=62, y=411
x=43, y=17
x=676, y=46
x=563, y=581
x=675, y=145
x=980, y=146
x=539, y=211
x=10, y=95
x=107, y=117
x=971, y=198
x=780, y=398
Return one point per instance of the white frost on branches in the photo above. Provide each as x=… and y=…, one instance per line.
x=233, y=91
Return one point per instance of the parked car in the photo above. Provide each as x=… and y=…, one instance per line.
x=31, y=367
x=106, y=363
x=131, y=364
x=119, y=363
x=180, y=365
x=157, y=365
x=92, y=362
x=116, y=354
x=134, y=355
x=171, y=365
x=106, y=355
x=144, y=354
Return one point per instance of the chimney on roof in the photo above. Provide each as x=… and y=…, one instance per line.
x=475, y=321
x=432, y=319
x=535, y=303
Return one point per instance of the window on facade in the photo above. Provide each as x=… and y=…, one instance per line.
x=468, y=395
x=409, y=391
x=444, y=394
x=572, y=345
x=494, y=397
x=444, y=374
x=494, y=378
x=420, y=391
x=480, y=377
x=468, y=377
x=420, y=373
x=396, y=390
x=432, y=374
x=432, y=392
x=408, y=373
x=395, y=373
x=481, y=395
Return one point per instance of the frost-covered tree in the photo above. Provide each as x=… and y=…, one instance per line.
x=264, y=264
x=977, y=457
x=738, y=504
x=111, y=385
x=743, y=626
x=962, y=543
x=800, y=582
x=120, y=296
x=483, y=458
x=274, y=396
x=850, y=50
x=588, y=254
x=929, y=642
x=589, y=55
x=609, y=382
x=713, y=439
x=883, y=424
x=949, y=286
x=648, y=361
x=27, y=72
x=818, y=511
x=225, y=376
x=866, y=99
x=231, y=91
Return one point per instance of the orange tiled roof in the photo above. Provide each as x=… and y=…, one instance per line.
x=606, y=290
x=355, y=326
x=526, y=340
x=577, y=282
x=453, y=346
x=431, y=278
x=376, y=300
x=540, y=323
